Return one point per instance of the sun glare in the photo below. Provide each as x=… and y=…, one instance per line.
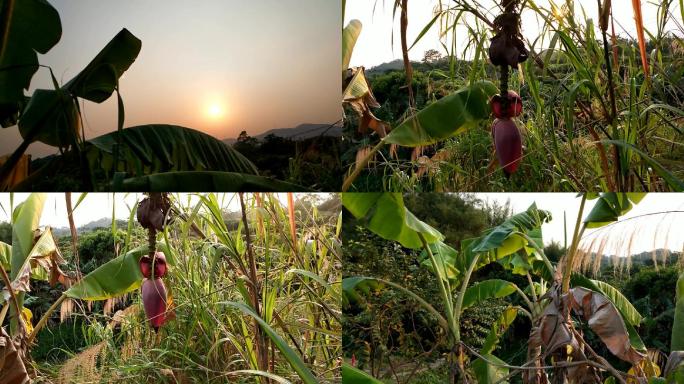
x=215, y=111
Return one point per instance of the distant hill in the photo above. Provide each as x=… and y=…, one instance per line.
x=93, y=225
x=394, y=65
x=300, y=132
x=646, y=258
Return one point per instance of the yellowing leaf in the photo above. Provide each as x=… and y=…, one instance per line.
x=27, y=316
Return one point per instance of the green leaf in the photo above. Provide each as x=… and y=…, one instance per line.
x=675, y=183
x=353, y=375
x=506, y=243
x=385, y=215
x=207, y=181
x=610, y=206
x=678, y=325
x=51, y=117
x=446, y=117
x=100, y=77
x=349, y=36
x=115, y=277
x=5, y=256
x=487, y=289
x=290, y=355
x=487, y=373
x=447, y=259
x=499, y=327
x=497, y=238
x=28, y=27
x=156, y=148
x=354, y=288
x=25, y=219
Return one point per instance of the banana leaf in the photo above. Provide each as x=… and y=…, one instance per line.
x=385, y=215
x=349, y=36
x=487, y=373
x=115, y=277
x=51, y=117
x=487, y=289
x=207, y=181
x=28, y=27
x=610, y=206
x=97, y=81
x=446, y=117
x=154, y=148
x=353, y=375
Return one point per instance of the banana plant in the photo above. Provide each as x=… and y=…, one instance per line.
x=515, y=244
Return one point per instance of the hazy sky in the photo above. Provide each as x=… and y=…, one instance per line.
x=375, y=42
x=653, y=232
x=221, y=66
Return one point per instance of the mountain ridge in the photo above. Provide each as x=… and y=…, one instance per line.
x=300, y=132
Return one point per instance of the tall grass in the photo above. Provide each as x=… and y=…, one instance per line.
x=253, y=301
x=593, y=118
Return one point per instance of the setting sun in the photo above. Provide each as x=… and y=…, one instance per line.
x=215, y=111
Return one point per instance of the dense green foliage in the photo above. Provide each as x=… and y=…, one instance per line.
x=392, y=326
x=314, y=162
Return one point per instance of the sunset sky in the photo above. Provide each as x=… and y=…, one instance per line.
x=375, y=45
x=220, y=66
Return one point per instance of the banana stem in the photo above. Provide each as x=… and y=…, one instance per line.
x=573, y=248
x=13, y=297
x=446, y=294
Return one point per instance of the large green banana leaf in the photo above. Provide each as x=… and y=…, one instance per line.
x=487, y=373
x=610, y=206
x=29, y=27
x=154, y=148
x=504, y=238
x=677, y=342
x=487, y=289
x=385, y=215
x=115, y=277
x=353, y=375
x=97, y=81
x=498, y=328
x=207, y=181
x=25, y=219
x=290, y=355
x=512, y=244
x=51, y=117
x=446, y=117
